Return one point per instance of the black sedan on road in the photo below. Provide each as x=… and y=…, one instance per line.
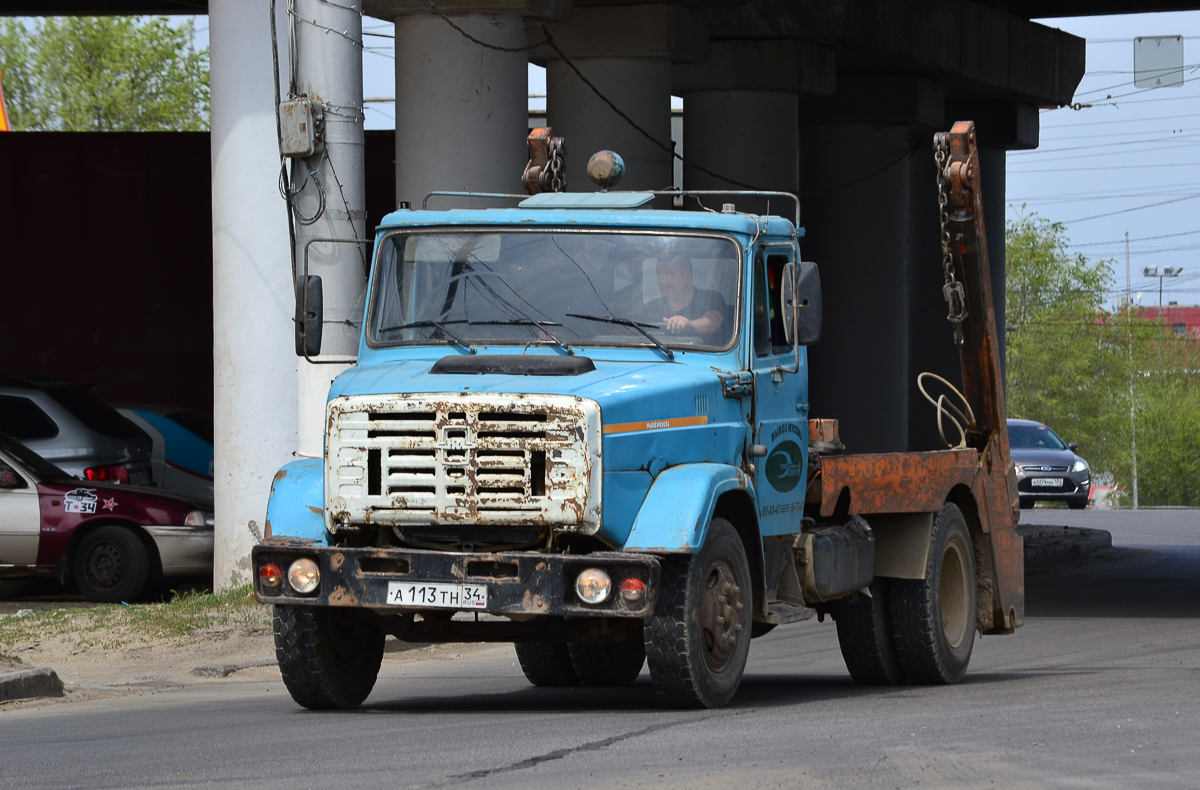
x=1047, y=467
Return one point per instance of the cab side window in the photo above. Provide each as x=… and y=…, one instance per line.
x=769, y=338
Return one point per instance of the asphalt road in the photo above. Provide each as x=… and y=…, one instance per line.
x=1099, y=689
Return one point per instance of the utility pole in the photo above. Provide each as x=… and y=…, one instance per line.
x=1132, y=411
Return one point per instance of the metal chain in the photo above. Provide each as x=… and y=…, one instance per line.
x=952, y=290
x=556, y=167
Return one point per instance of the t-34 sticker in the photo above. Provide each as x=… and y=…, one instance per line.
x=81, y=500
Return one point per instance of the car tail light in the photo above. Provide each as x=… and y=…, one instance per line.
x=114, y=473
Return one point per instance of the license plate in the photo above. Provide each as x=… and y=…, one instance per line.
x=1046, y=482
x=440, y=595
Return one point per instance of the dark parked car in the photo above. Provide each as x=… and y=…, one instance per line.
x=112, y=539
x=75, y=430
x=1047, y=467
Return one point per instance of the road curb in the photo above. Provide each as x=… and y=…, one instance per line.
x=27, y=683
x=1046, y=546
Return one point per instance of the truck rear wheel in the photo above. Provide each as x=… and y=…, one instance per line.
x=864, y=627
x=546, y=663
x=698, y=638
x=328, y=658
x=934, y=618
x=607, y=663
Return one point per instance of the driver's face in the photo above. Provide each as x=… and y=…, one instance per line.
x=673, y=279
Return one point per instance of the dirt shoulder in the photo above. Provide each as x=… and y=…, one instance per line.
x=102, y=651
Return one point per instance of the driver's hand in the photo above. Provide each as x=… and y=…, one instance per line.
x=677, y=323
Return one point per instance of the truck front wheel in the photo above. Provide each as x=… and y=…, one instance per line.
x=607, y=663
x=934, y=618
x=546, y=663
x=698, y=638
x=328, y=658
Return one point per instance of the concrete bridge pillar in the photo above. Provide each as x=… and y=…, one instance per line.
x=461, y=104
x=856, y=218
x=254, y=398
x=625, y=52
x=741, y=116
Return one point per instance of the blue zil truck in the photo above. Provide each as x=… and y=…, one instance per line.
x=581, y=425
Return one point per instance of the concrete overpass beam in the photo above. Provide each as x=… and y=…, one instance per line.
x=625, y=52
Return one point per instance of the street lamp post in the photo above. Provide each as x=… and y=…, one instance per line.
x=1168, y=271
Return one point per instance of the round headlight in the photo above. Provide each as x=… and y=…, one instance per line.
x=593, y=586
x=304, y=576
x=1080, y=465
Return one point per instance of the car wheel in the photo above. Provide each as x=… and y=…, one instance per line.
x=1077, y=504
x=546, y=663
x=864, y=627
x=111, y=565
x=328, y=657
x=934, y=618
x=698, y=638
x=607, y=663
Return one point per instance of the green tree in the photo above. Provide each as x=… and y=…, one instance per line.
x=1066, y=365
x=1078, y=367
x=103, y=74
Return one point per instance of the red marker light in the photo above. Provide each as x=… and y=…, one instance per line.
x=270, y=576
x=633, y=590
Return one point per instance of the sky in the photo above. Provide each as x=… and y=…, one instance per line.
x=1128, y=163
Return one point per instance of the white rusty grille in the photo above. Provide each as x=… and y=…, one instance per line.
x=463, y=459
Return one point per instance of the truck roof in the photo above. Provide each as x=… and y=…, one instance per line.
x=603, y=209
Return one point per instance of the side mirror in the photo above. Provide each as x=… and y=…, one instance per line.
x=309, y=315
x=801, y=297
x=1073, y=446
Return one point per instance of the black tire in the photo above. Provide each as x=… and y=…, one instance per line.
x=607, y=663
x=546, y=663
x=1077, y=504
x=111, y=565
x=328, y=658
x=12, y=588
x=698, y=638
x=1026, y=504
x=864, y=627
x=934, y=619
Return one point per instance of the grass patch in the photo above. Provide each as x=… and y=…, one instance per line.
x=186, y=617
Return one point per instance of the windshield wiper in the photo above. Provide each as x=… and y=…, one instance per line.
x=608, y=319
x=530, y=322
x=441, y=325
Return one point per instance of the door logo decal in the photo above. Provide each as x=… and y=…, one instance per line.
x=783, y=466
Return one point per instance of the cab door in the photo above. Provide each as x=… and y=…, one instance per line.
x=20, y=517
x=780, y=400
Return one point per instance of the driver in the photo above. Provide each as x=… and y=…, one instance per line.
x=684, y=308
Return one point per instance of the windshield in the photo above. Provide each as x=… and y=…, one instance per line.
x=564, y=288
x=1033, y=437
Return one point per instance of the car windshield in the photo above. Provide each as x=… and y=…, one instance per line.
x=1034, y=437
x=555, y=288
